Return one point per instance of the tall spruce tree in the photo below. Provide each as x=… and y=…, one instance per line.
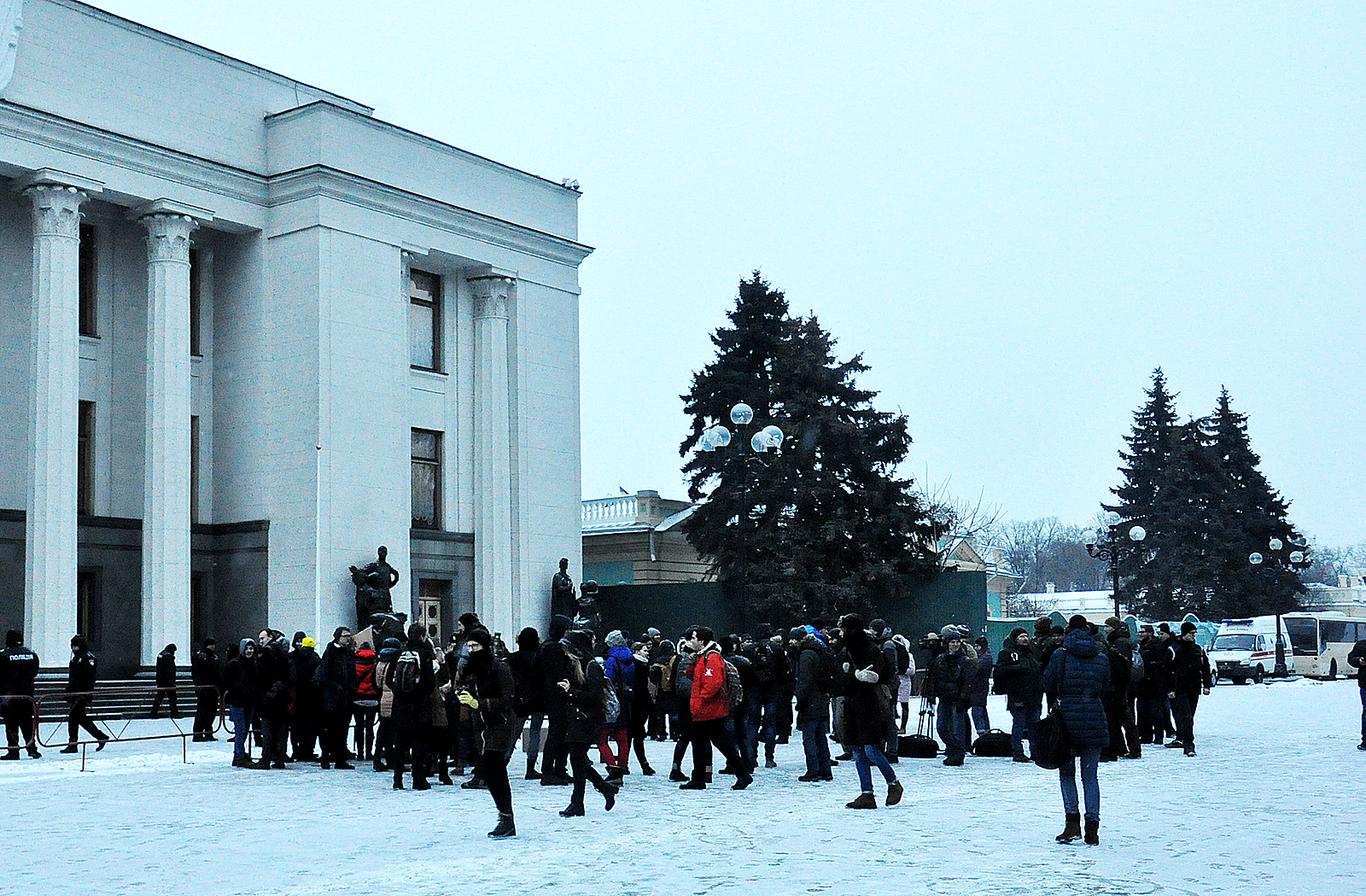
x=825, y=525
x=1151, y=442
x=1247, y=514
x=1197, y=489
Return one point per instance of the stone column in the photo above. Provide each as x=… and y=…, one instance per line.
x=493, y=574
x=54, y=393
x=166, y=482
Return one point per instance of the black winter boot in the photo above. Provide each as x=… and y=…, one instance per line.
x=531, y=773
x=504, y=828
x=1072, y=830
x=1093, y=832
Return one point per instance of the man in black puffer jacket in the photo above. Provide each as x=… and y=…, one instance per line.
x=1189, y=679
x=950, y=680
x=335, y=679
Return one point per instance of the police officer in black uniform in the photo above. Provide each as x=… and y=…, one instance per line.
x=80, y=681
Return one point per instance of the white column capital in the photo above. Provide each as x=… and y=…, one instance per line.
x=492, y=294
x=56, y=210
x=168, y=237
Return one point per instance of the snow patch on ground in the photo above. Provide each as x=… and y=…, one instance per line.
x=1271, y=805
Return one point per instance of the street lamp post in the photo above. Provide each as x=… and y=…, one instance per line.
x=1110, y=547
x=761, y=441
x=1281, y=556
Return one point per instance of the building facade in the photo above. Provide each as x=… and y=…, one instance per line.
x=248, y=333
x=638, y=540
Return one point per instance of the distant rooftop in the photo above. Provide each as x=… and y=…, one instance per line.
x=642, y=512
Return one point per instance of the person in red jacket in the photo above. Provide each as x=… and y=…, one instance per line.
x=365, y=702
x=710, y=706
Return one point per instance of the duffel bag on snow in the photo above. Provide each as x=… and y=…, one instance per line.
x=1050, y=747
x=994, y=743
x=917, y=746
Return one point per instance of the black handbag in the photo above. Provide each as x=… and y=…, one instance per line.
x=920, y=745
x=1051, y=747
x=994, y=743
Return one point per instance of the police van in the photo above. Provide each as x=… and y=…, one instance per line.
x=1246, y=649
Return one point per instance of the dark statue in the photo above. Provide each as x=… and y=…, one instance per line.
x=562, y=600
x=586, y=613
x=373, y=582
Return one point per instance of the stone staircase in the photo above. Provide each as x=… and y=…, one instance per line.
x=116, y=698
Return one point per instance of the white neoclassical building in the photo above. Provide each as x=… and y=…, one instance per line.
x=248, y=333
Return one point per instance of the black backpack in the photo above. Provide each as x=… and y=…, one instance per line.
x=407, y=673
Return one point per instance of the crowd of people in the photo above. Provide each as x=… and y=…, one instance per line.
x=420, y=711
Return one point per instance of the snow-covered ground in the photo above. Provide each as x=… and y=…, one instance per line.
x=1272, y=805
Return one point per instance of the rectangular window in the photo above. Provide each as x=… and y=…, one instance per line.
x=85, y=458
x=194, y=304
x=88, y=605
x=194, y=468
x=426, y=479
x=199, y=628
x=424, y=320
x=85, y=277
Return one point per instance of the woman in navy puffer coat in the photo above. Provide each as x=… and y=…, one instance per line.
x=1078, y=676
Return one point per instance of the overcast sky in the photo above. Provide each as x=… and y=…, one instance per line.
x=1014, y=212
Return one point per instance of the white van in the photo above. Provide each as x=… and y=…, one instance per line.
x=1246, y=648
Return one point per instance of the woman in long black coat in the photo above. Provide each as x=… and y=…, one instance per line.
x=868, y=706
x=584, y=692
x=1078, y=674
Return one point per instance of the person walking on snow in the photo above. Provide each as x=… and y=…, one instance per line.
x=868, y=706
x=1078, y=676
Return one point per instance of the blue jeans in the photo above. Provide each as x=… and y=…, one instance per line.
x=864, y=759
x=759, y=725
x=1067, y=779
x=952, y=723
x=980, y=720
x=1022, y=722
x=816, y=746
x=240, y=717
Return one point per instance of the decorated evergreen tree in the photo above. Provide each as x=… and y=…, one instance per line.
x=823, y=525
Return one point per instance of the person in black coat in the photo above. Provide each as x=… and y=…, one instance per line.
x=869, y=703
x=80, y=683
x=271, y=701
x=336, y=681
x=1019, y=676
x=583, y=691
x=239, y=695
x=490, y=689
x=642, y=709
x=18, y=670
x=950, y=680
x=555, y=667
x=525, y=665
x=413, y=709
x=1189, y=679
x=305, y=700
x=1119, y=703
x=1078, y=676
x=813, y=702
x=207, y=675
x=165, y=678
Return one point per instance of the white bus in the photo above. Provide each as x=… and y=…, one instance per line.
x=1321, y=642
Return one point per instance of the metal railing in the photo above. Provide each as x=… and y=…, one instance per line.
x=115, y=726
